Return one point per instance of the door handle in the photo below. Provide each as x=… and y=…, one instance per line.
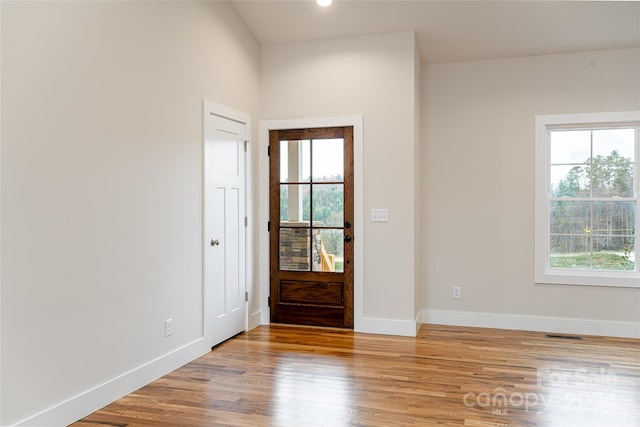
x=347, y=239
x=215, y=242
x=347, y=224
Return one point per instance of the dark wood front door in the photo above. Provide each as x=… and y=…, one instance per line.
x=311, y=226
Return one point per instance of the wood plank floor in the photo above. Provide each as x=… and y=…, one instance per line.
x=447, y=376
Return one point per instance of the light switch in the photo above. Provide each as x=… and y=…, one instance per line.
x=379, y=215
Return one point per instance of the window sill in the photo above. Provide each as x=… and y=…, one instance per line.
x=617, y=279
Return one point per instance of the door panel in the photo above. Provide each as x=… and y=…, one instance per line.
x=224, y=236
x=311, y=217
x=311, y=292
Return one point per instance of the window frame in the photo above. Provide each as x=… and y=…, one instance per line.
x=543, y=273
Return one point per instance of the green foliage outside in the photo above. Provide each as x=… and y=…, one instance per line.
x=597, y=261
x=595, y=234
x=602, y=177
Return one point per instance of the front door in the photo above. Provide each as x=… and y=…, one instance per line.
x=311, y=226
x=224, y=197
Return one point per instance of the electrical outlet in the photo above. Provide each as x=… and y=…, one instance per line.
x=168, y=327
x=456, y=292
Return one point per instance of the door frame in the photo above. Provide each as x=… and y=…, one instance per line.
x=358, y=208
x=208, y=108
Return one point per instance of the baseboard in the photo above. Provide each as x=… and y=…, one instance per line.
x=255, y=319
x=85, y=403
x=532, y=323
x=370, y=325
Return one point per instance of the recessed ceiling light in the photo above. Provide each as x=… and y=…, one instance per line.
x=324, y=3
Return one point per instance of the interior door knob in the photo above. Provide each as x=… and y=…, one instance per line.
x=347, y=239
x=215, y=242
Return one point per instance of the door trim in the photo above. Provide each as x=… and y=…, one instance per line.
x=358, y=184
x=208, y=108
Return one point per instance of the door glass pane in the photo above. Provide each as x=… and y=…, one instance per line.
x=295, y=161
x=295, y=249
x=328, y=160
x=328, y=205
x=328, y=250
x=294, y=203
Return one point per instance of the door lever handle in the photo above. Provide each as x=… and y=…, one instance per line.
x=215, y=242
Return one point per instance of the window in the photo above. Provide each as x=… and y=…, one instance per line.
x=587, y=196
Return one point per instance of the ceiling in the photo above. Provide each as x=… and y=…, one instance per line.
x=452, y=31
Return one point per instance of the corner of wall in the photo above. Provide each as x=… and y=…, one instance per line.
x=417, y=180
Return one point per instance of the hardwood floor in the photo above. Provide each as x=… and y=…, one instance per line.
x=452, y=376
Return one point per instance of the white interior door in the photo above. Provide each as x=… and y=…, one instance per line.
x=224, y=237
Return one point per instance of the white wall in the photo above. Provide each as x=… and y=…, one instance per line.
x=373, y=76
x=478, y=198
x=102, y=191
